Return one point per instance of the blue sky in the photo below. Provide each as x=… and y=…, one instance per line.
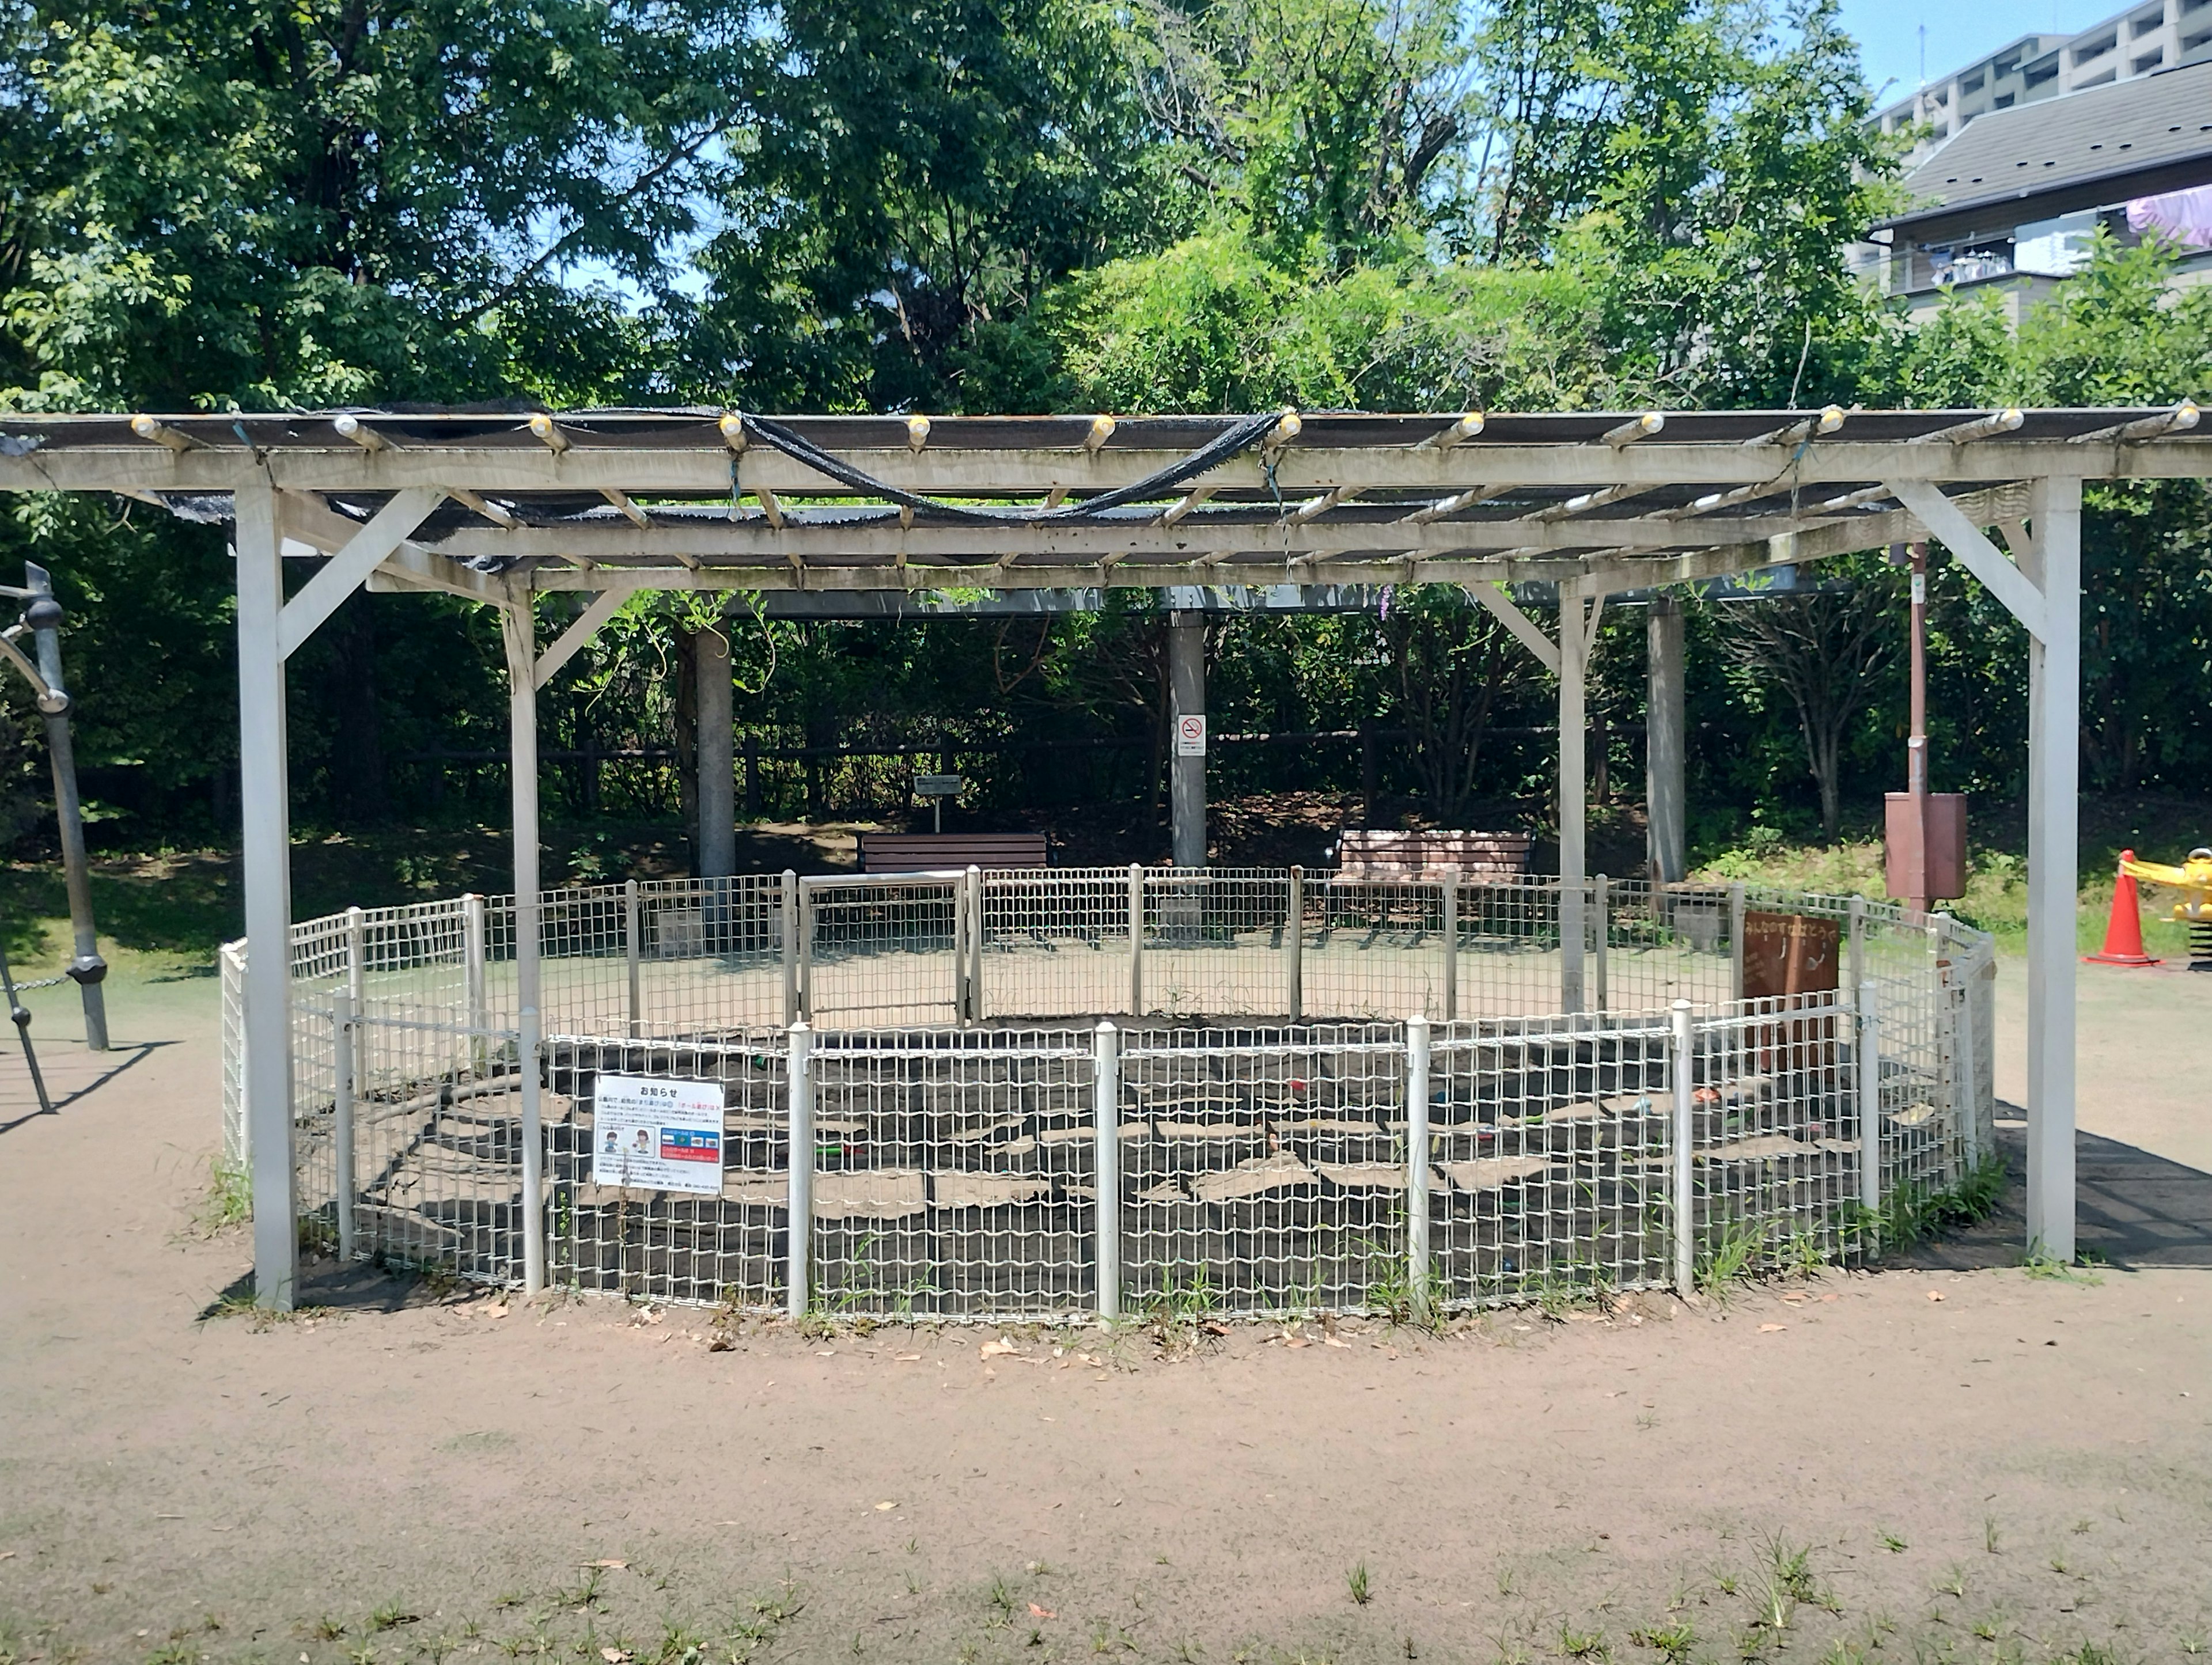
x=1888, y=32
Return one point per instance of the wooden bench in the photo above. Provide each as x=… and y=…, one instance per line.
x=1367, y=856
x=932, y=852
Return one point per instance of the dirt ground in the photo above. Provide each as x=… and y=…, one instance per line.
x=1948, y=1461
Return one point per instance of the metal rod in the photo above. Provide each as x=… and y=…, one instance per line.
x=1451, y=944
x=88, y=969
x=1106, y=1116
x=1680, y=1064
x=1854, y=972
x=1294, y=946
x=1735, y=940
x=20, y=1015
x=789, y=915
x=799, y=1232
x=1416, y=1164
x=1601, y=929
x=356, y=939
x=1869, y=1072
x=976, y=944
x=344, y=1037
x=1136, y=940
x=1970, y=1099
x=630, y=922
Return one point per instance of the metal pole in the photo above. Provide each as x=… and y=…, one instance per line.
x=1451, y=944
x=344, y=1037
x=519, y=632
x=1106, y=1117
x=358, y=971
x=792, y=1003
x=1968, y=1109
x=1600, y=928
x=1665, y=795
x=1416, y=1164
x=1916, y=746
x=1869, y=1069
x=265, y=824
x=1855, y=973
x=20, y=1015
x=1574, y=657
x=89, y=970
x=1680, y=1063
x=1187, y=698
x=630, y=923
x=1294, y=946
x=2053, y=875
x=799, y=1235
x=975, y=943
x=1735, y=940
x=1136, y=940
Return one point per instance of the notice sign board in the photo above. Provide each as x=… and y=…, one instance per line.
x=1190, y=736
x=654, y=1134
x=938, y=786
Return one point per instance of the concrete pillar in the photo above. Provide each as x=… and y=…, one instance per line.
x=1666, y=807
x=1574, y=671
x=266, y=822
x=1187, y=698
x=716, y=754
x=2053, y=862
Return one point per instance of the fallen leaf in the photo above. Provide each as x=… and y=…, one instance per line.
x=609, y=1566
x=1300, y=1341
x=998, y=1349
x=1211, y=1328
x=721, y=1344
x=1036, y=1612
x=613, y=1655
x=880, y=1507
x=1766, y=1329
x=906, y=1357
x=1331, y=1341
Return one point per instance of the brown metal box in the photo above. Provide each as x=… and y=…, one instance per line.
x=1941, y=844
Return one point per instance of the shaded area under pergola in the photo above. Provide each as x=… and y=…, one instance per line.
x=499, y=507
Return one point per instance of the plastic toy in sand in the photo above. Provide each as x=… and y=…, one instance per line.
x=2193, y=878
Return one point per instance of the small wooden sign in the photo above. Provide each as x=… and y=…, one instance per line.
x=1789, y=954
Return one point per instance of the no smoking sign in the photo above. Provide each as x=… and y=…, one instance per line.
x=1190, y=736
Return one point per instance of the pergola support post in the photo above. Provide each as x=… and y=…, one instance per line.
x=1187, y=775
x=2053, y=862
x=265, y=814
x=1666, y=807
x=519, y=632
x=716, y=754
x=1574, y=788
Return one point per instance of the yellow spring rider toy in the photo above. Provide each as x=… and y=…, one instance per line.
x=2193, y=878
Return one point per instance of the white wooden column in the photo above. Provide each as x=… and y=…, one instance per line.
x=2053, y=863
x=519, y=631
x=1574, y=677
x=265, y=801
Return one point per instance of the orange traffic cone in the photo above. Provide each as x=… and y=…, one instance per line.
x=2123, y=943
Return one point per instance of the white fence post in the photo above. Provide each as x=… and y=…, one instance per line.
x=1136, y=939
x=974, y=944
x=1680, y=1065
x=472, y=977
x=357, y=973
x=1967, y=1109
x=1416, y=1164
x=1735, y=940
x=342, y=1051
x=1601, y=922
x=533, y=1161
x=791, y=949
x=1451, y=944
x=800, y=1238
x=1294, y=946
x=630, y=922
x=1106, y=1116
x=1869, y=1068
x=1855, y=971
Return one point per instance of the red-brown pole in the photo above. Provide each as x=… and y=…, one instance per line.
x=1916, y=755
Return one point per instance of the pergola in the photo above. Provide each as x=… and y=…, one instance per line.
x=497, y=508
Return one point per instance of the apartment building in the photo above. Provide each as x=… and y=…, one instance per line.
x=2143, y=41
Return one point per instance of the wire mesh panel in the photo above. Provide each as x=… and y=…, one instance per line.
x=1549, y=1156
x=237, y=1131
x=1215, y=940
x=1264, y=1170
x=1663, y=944
x=1055, y=942
x=1372, y=949
x=1508, y=960
x=1776, y=1131
x=435, y=1156
x=728, y=1249
x=954, y=1174
x=884, y=952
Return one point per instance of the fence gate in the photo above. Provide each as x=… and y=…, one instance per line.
x=884, y=951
